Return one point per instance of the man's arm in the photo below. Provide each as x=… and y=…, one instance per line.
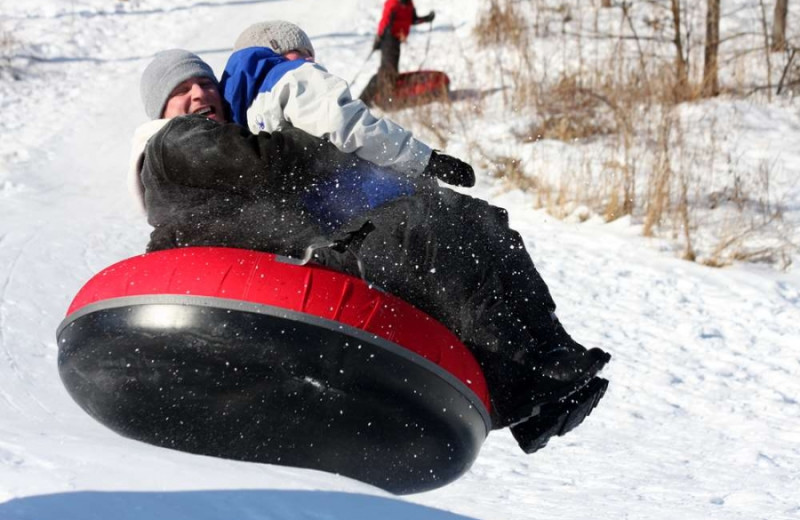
x=416, y=20
x=197, y=152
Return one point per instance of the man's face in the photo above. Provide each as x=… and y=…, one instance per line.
x=298, y=55
x=195, y=96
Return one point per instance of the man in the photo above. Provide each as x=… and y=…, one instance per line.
x=393, y=29
x=453, y=256
x=175, y=82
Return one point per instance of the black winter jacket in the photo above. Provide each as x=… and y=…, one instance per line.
x=212, y=184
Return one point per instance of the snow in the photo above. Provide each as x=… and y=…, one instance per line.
x=701, y=420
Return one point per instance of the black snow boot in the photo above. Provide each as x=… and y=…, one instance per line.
x=559, y=417
x=551, y=377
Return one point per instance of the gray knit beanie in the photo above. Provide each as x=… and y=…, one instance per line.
x=277, y=35
x=168, y=70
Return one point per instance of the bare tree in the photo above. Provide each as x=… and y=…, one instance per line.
x=765, y=32
x=779, y=25
x=681, y=67
x=711, y=50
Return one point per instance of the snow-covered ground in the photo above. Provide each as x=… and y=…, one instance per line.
x=702, y=418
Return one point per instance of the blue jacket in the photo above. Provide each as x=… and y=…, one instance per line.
x=248, y=73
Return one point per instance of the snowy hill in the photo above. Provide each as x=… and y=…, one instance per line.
x=702, y=418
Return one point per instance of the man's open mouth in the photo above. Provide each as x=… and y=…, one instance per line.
x=205, y=111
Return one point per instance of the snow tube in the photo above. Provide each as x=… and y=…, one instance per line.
x=250, y=356
x=416, y=88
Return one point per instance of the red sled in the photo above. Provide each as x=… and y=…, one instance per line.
x=416, y=88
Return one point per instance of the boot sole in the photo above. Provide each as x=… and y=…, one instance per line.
x=535, y=406
x=559, y=418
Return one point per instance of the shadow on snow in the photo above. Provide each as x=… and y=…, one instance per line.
x=217, y=505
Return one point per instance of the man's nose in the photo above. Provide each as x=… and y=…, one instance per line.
x=196, y=91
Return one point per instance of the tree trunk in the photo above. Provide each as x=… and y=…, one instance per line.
x=710, y=66
x=680, y=60
x=779, y=25
x=605, y=3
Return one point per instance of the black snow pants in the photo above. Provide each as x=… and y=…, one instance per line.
x=382, y=85
x=455, y=257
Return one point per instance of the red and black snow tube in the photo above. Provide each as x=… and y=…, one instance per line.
x=416, y=88
x=247, y=355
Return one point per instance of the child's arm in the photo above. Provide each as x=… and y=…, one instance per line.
x=320, y=103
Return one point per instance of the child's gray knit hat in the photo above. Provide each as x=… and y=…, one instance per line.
x=168, y=70
x=277, y=35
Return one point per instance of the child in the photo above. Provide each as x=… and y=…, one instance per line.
x=271, y=79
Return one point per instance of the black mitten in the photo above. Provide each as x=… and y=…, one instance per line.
x=450, y=170
x=428, y=17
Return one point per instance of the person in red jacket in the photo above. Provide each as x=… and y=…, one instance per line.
x=398, y=17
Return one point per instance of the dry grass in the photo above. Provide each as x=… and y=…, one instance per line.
x=622, y=105
x=569, y=112
x=753, y=229
x=7, y=47
x=501, y=24
x=510, y=170
x=617, y=101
